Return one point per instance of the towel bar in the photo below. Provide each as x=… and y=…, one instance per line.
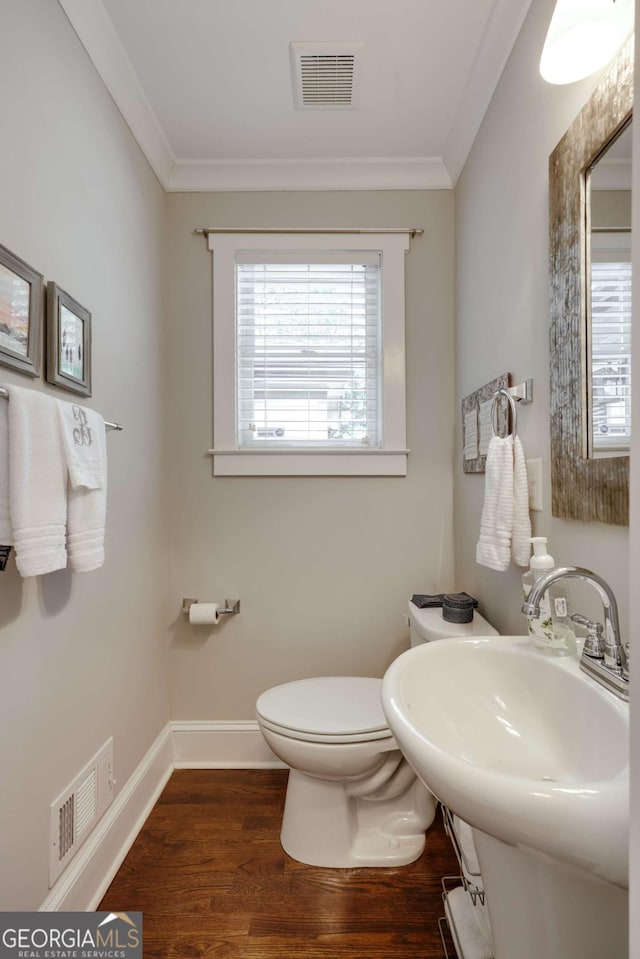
x=4, y=394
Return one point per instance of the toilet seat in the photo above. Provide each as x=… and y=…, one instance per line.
x=326, y=709
x=352, y=799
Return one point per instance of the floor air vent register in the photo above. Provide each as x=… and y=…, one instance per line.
x=78, y=808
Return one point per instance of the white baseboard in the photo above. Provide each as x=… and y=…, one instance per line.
x=87, y=877
x=180, y=745
x=221, y=745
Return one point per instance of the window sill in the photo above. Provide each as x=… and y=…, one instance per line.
x=286, y=462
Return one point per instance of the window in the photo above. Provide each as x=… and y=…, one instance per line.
x=308, y=350
x=611, y=343
x=309, y=354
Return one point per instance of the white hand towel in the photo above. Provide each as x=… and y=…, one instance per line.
x=494, y=545
x=84, y=442
x=87, y=514
x=6, y=533
x=37, y=483
x=472, y=938
x=82, y=430
x=87, y=520
x=521, y=531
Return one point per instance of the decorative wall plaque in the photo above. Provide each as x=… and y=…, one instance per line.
x=477, y=428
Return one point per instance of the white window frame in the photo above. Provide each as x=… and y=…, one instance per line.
x=228, y=459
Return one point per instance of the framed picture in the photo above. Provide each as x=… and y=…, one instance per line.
x=21, y=301
x=68, y=342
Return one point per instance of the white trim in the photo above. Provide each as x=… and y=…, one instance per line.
x=337, y=173
x=221, y=744
x=216, y=744
x=287, y=462
x=387, y=462
x=83, y=884
x=97, y=34
x=505, y=23
x=284, y=451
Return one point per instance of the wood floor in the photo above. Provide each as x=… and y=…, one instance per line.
x=212, y=880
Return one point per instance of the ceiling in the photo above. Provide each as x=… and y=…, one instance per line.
x=206, y=87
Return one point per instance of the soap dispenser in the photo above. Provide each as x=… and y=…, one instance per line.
x=552, y=630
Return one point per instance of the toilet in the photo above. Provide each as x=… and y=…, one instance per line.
x=352, y=798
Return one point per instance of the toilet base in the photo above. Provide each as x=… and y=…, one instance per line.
x=325, y=826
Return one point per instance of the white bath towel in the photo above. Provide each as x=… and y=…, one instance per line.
x=6, y=532
x=37, y=483
x=521, y=531
x=470, y=933
x=494, y=545
x=82, y=431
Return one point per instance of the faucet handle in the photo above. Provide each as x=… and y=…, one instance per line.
x=594, y=645
x=626, y=669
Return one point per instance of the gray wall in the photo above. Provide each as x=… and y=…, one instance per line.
x=323, y=566
x=502, y=310
x=82, y=657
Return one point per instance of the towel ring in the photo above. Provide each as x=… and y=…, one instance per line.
x=503, y=391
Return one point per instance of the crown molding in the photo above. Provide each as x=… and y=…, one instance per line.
x=502, y=30
x=97, y=34
x=379, y=173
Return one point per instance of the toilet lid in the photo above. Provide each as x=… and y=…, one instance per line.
x=326, y=706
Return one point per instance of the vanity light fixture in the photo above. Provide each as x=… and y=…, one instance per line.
x=583, y=36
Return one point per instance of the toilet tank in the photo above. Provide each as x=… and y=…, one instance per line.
x=427, y=624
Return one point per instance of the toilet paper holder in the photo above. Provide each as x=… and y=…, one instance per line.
x=230, y=608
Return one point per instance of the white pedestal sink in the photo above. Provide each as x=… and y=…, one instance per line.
x=534, y=755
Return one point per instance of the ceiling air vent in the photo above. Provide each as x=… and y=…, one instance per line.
x=325, y=75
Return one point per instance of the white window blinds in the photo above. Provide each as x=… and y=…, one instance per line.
x=309, y=354
x=610, y=343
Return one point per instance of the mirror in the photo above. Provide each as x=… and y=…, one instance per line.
x=589, y=473
x=608, y=272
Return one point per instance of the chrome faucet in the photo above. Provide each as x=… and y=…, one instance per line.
x=604, y=657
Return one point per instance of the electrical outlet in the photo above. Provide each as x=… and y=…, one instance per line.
x=534, y=478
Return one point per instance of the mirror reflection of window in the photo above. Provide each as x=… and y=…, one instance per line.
x=610, y=301
x=611, y=341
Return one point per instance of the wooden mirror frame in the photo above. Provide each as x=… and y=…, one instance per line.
x=591, y=490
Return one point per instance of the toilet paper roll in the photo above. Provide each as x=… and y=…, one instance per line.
x=204, y=614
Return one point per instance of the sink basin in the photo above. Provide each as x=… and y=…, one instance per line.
x=521, y=745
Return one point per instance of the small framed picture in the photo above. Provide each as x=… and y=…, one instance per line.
x=21, y=301
x=68, y=342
